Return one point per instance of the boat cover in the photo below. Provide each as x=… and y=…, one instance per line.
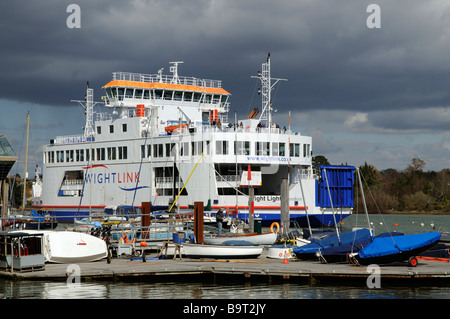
x=386, y=246
x=238, y=243
x=356, y=245
x=345, y=239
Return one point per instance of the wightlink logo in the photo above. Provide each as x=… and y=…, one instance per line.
x=112, y=178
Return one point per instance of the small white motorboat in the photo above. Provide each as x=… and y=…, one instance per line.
x=71, y=247
x=226, y=251
x=254, y=238
x=282, y=251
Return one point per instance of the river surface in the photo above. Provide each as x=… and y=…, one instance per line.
x=242, y=290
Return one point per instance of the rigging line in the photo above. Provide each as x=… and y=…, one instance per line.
x=84, y=183
x=17, y=167
x=140, y=164
x=253, y=95
x=379, y=211
x=223, y=179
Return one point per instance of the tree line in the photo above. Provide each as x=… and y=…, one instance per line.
x=408, y=190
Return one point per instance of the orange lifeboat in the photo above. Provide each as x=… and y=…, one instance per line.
x=171, y=128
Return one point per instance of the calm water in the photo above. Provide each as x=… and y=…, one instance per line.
x=244, y=290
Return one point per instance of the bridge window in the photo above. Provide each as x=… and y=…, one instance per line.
x=138, y=94
x=129, y=93
x=207, y=98
x=216, y=98
x=197, y=97
x=120, y=93
x=158, y=94
x=178, y=95
x=146, y=94
x=188, y=96
x=168, y=95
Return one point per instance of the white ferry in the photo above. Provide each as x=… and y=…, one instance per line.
x=169, y=137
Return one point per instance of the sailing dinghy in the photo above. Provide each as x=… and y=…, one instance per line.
x=71, y=247
x=229, y=250
x=339, y=253
x=309, y=251
x=257, y=239
x=391, y=249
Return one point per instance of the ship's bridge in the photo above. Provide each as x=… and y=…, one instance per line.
x=198, y=99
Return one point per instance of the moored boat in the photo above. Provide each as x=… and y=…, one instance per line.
x=226, y=251
x=391, y=249
x=309, y=251
x=340, y=252
x=257, y=239
x=71, y=247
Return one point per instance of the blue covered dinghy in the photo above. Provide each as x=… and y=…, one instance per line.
x=339, y=253
x=308, y=251
x=398, y=248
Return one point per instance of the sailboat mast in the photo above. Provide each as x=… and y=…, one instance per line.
x=24, y=198
x=306, y=208
x=332, y=208
x=364, y=202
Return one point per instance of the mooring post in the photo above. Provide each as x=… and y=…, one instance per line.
x=198, y=222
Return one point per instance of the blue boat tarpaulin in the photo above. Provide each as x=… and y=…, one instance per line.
x=345, y=239
x=386, y=246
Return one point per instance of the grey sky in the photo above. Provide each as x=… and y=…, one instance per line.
x=375, y=95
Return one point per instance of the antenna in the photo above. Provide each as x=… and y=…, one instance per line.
x=88, y=106
x=266, y=89
x=174, y=70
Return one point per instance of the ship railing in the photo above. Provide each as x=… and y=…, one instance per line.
x=72, y=182
x=19, y=221
x=231, y=129
x=227, y=178
x=305, y=173
x=169, y=79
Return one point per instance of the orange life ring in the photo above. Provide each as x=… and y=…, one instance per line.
x=276, y=225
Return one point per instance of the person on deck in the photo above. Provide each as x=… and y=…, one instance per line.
x=219, y=220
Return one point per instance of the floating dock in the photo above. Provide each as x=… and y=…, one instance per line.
x=259, y=269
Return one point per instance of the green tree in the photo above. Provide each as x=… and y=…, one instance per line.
x=320, y=160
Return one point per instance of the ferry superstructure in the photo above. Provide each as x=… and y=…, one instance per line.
x=159, y=128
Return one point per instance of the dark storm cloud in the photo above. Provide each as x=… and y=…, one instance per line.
x=332, y=60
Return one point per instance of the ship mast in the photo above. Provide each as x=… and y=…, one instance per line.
x=88, y=106
x=266, y=88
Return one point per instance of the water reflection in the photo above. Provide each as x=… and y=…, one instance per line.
x=190, y=290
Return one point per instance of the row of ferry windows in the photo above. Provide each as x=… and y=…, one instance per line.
x=223, y=148
x=169, y=95
x=84, y=155
x=186, y=149
x=263, y=148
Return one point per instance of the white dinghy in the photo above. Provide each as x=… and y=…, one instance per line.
x=225, y=251
x=254, y=238
x=71, y=247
